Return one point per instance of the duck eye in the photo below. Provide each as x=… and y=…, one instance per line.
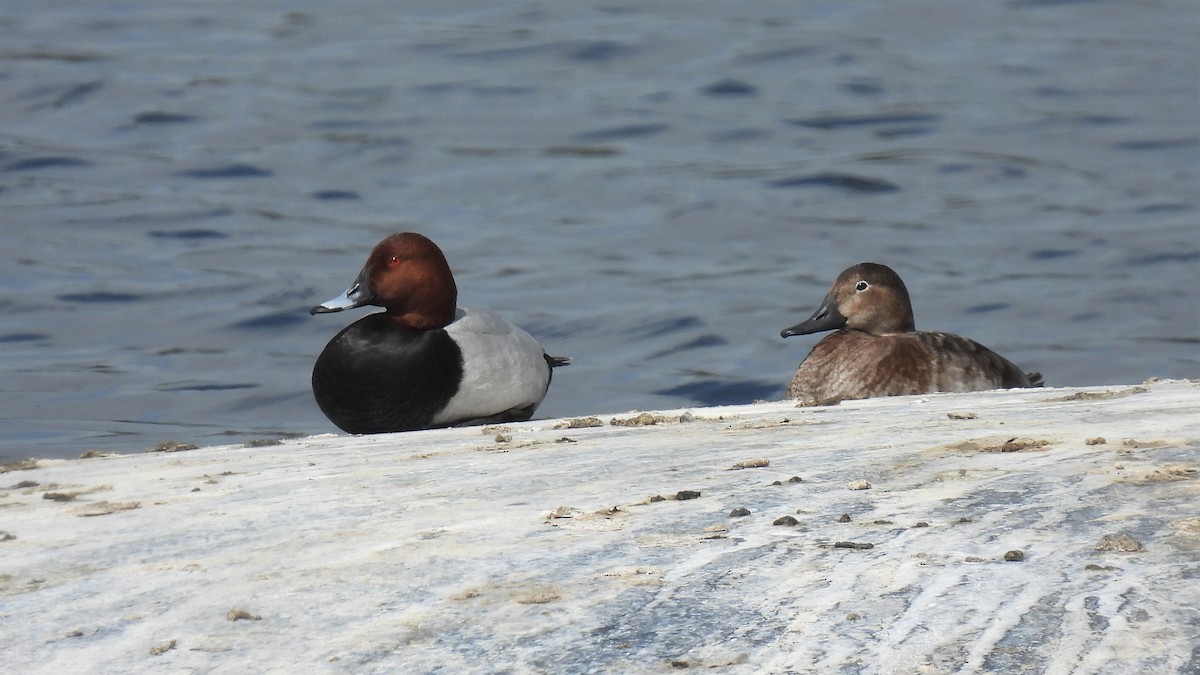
x=861, y=286
x=394, y=260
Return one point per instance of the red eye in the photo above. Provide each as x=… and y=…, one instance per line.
x=394, y=260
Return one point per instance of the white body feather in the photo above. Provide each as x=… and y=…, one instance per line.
x=504, y=368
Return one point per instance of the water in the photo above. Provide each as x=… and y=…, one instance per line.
x=651, y=188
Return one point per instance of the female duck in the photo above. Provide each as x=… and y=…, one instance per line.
x=423, y=362
x=877, y=350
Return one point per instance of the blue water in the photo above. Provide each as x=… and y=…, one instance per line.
x=651, y=188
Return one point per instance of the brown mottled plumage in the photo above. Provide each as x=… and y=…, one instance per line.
x=877, y=351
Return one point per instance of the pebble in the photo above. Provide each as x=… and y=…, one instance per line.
x=752, y=463
x=1122, y=543
x=854, y=545
x=239, y=614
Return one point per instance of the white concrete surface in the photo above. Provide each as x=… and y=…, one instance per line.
x=536, y=548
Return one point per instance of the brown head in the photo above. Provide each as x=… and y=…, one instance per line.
x=868, y=297
x=408, y=276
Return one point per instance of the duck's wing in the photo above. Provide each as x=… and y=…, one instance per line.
x=962, y=364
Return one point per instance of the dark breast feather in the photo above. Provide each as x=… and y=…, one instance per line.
x=376, y=377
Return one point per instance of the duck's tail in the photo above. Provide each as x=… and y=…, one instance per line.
x=556, y=361
x=1035, y=379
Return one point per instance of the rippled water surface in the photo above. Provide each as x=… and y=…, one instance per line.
x=651, y=188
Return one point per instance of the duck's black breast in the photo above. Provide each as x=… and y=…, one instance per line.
x=375, y=377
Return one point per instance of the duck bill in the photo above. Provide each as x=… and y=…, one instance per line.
x=827, y=317
x=359, y=294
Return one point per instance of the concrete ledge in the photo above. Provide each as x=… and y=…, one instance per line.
x=1049, y=530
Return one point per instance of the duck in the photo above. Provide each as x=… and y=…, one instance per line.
x=423, y=362
x=876, y=350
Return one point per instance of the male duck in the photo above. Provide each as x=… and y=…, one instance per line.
x=423, y=362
